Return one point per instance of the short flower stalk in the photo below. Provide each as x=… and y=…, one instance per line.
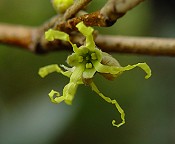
x=85, y=62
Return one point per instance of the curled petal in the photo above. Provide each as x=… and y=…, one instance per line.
x=118, y=70
x=57, y=96
x=51, y=35
x=71, y=88
x=107, y=99
x=87, y=32
x=69, y=92
x=143, y=66
x=44, y=71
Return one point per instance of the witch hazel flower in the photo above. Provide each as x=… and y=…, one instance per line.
x=85, y=62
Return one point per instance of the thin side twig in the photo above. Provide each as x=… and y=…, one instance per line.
x=75, y=8
x=70, y=13
x=107, y=16
x=114, y=9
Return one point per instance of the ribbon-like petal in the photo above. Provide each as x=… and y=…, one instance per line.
x=87, y=32
x=94, y=88
x=118, y=70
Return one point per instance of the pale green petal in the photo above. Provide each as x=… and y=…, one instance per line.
x=71, y=88
x=51, y=35
x=87, y=32
x=77, y=73
x=105, y=68
x=44, y=71
x=57, y=96
x=74, y=59
x=89, y=73
x=82, y=50
x=69, y=92
x=94, y=88
x=143, y=66
x=118, y=70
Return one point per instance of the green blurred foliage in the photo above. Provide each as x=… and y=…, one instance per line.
x=27, y=115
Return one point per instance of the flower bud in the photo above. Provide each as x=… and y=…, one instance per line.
x=61, y=5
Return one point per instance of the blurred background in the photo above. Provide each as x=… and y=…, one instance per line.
x=28, y=117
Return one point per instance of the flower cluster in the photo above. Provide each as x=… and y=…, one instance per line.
x=85, y=62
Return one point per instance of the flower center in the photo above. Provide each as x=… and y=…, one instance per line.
x=84, y=56
x=88, y=58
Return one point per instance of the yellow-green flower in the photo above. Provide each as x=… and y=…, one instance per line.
x=61, y=5
x=85, y=62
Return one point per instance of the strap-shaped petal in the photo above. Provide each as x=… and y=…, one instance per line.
x=143, y=66
x=77, y=73
x=51, y=35
x=94, y=88
x=87, y=32
x=69, y=92
x=118, y=70
x=89, y=73
x=44, y=71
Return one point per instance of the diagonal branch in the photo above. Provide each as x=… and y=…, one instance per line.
x=114, y=9
x=70, y=13
x=75, y=8
x=107, y=16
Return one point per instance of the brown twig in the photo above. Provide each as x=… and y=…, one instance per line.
x=98, y=18
x=137, y=45
x=25, y=37
x=31, y=38
x=75, y=8
x=70, y=13
x=106, y=17
x=114, y=9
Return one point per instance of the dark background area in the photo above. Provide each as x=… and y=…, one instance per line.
x=28, y=117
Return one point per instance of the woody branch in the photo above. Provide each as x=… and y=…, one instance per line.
x=32, y=38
